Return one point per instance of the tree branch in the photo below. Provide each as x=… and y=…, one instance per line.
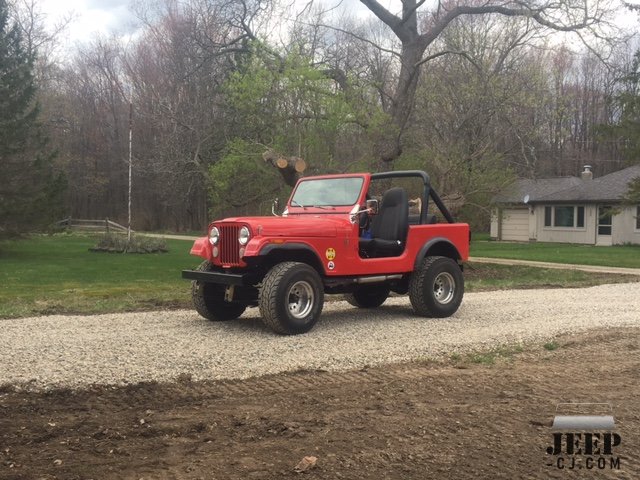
x=448, y=52
x=433, y=33
x=406, y=15
x=389, y=19
x=357, y=37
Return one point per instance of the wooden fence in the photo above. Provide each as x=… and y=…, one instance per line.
x=80, y=225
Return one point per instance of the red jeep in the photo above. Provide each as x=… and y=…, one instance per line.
x=350, y=234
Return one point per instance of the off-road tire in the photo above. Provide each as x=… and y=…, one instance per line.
x=368, y=296
x=291, y=298
x=208, y=299
x=436, y=287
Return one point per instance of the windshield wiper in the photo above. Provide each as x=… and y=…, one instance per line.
x=323, y=207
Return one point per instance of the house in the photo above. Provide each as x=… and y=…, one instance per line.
x=581, y=209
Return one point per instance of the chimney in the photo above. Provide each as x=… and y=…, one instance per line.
x=586, y=174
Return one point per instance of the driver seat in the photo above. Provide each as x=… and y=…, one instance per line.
x=389, y=227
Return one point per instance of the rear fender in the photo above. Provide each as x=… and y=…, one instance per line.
x=438, y=246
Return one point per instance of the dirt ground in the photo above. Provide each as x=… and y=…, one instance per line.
x=454, y=419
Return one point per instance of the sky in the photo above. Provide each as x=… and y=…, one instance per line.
x=91, y=17
x=115, y=16
x=108, y=17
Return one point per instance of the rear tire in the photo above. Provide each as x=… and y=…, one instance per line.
x=291, y=298
x=368, y=296
x=208, y=299
x=436, y=288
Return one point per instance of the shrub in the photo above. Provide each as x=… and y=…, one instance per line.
x=115, y=243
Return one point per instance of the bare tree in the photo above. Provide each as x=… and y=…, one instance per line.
x=177, y=72
x=40, y=39
x=417, y=30
x=174, y=73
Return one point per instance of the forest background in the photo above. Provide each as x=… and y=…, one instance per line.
x=475, y=92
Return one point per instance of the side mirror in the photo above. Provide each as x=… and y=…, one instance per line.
x=275, y=207
x=372, y=206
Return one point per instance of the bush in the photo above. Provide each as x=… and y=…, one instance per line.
x=115, y=243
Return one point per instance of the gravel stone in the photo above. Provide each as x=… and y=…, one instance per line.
x=115, y=349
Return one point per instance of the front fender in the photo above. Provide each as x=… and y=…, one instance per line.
x=255, y=246
x=297, y=251
x=201, y=248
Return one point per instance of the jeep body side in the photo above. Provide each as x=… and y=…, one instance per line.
x=285, y=264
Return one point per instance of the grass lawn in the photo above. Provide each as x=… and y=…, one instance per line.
x=487, y=276
x=616, y=256
x=57, y=274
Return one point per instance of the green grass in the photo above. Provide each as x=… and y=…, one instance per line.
x=490, y=276
x=488, y=357
x=480, y=237
x=616, y=256
x=57, y=274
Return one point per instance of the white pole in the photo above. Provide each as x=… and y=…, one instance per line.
x=129, y=197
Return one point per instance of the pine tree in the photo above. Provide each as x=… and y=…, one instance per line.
x=628, y=127
x=625, y=132
x=30, y=190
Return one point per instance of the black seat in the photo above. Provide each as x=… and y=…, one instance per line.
x=389, y=227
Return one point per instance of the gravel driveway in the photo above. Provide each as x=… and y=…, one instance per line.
x=132, y=347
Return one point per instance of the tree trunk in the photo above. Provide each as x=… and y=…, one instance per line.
x=404, y=98
x=290, y=168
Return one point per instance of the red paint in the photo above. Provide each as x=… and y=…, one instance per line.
x=322, y=229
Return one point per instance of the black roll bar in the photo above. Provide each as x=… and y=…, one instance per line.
x=428, y=192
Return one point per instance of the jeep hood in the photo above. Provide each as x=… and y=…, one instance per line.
x=293, y=226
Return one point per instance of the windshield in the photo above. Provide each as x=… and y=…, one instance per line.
x=327, y=192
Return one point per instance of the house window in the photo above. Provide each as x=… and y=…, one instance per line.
x=547, y=216
x=564, y=216
x=580, y=220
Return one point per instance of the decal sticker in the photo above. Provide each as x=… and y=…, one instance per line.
x=331, y=265
x=330, y=253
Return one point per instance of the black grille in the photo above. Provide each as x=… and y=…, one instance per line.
x=229, y=246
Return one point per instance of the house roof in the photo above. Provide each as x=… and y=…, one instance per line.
x=535, y=188
x=608, y=188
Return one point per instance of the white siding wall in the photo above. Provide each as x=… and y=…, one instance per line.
x=494, y=224
x=519, y=225
x=533, y=223
x=624, y=227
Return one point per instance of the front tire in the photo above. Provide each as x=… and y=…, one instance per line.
x=368, y=296
x=291, y=298
x=436, y=288
x=208, y=299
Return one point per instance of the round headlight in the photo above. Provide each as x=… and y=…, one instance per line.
x=214, y=236
x=243, y=236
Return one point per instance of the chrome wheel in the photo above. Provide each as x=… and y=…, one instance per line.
x=300, y=299
x=436, y=287
x=444, y=287
x=291, y=298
